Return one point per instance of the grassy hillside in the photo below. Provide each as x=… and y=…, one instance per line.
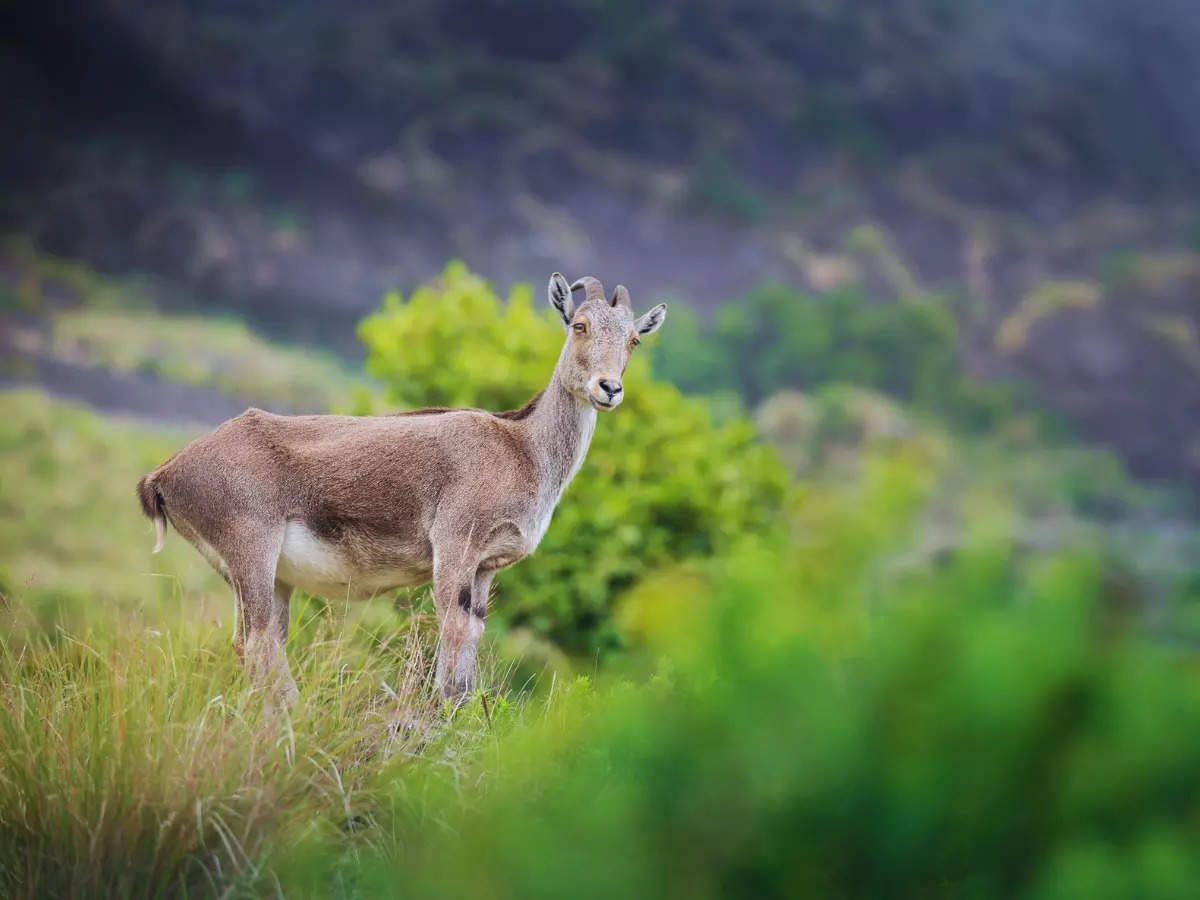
x=73, y=543
x=72, y=315
x=870, y=654
x=204, y=351
x=133, y=760
x=823, y=709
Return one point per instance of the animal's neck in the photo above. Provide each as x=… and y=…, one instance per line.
x=561, y=430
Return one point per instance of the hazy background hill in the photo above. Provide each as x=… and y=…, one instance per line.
x=1032, y=165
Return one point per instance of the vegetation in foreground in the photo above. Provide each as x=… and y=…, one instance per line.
x=975, y=735
x=791, y=718
x=808, y=687
x=135, y=762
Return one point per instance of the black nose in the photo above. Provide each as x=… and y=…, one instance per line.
x=612, y=388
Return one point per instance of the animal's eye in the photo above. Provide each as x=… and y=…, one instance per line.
x=634, y=341
x=580, y=327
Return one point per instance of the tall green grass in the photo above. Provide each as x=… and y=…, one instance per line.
x=136, y=762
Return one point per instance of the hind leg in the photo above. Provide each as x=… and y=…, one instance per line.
x=237, y=524
x=260, y=635
x=280, y=610
x=263, y=620
x=260, y=604
x=262, y=612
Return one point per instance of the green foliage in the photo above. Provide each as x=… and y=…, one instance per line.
x=96, y=320
x=455, y=343
x=988, y=728
x=44, y=282
x=814, y=432
x=825, y=713
x=778, y=337
x=685, y=355
x=1053, y=495
x=662, y=482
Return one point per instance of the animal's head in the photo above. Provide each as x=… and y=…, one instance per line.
x=601, y=335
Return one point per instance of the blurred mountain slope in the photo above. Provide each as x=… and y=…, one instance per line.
x=1037, y=162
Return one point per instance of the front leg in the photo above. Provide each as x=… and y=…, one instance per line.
x=460, y=595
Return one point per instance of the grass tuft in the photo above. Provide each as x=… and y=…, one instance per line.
x=135, y=761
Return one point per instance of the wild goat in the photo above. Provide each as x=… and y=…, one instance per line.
x=347, y=506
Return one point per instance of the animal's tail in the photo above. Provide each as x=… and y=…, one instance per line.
x=151, y=499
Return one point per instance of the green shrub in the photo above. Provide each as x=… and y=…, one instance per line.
x=687, y=355
x=778, y=337
x=662, y=482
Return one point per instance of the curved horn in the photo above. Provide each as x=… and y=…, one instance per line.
x=592, y=288
x=621, y=297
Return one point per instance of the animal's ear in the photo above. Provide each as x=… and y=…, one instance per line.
x=651, y=321
x=560, y=297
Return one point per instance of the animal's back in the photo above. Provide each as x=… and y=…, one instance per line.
x=352, y=499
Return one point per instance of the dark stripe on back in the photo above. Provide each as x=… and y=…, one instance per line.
x=513, y=415
x=427, y=411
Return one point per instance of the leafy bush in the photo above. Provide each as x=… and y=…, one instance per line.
x=813, y=431
x=1049, y=495
x=779, y=337
x=662, y=482
x=688, y=355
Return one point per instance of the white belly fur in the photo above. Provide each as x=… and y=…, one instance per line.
x=318, y=567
